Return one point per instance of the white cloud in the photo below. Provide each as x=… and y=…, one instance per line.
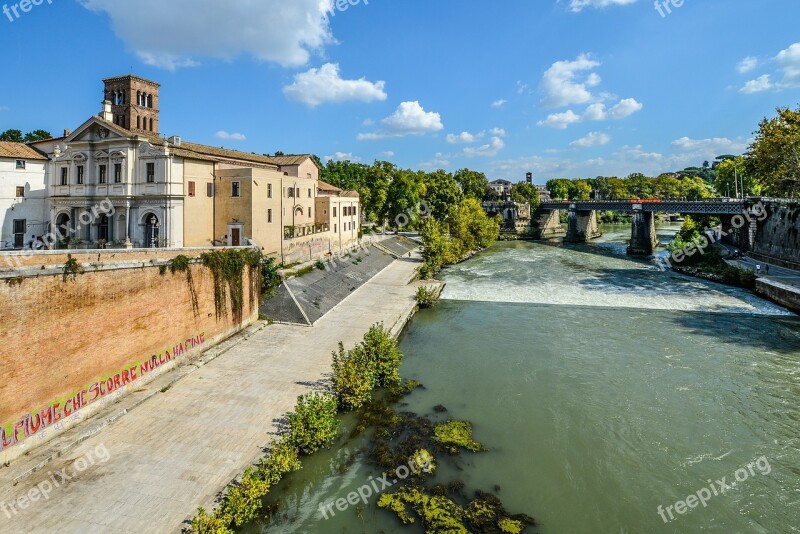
x=787, y=76
x=592, y=140
x=323, y=85
x=579, y=5
x=521, y=87
x=439, y=161
x=762, y=83
x=463, y=137
x=563, y=86
x=746, y=65
x=499, y=103
x=230, y=136
x=789, y=60
x=713, y=146
x=409, y=119
x=343, y=156
x=594, y=112
x=498, y=132
x=490, y=149
x=175, y=33
x=387, y=154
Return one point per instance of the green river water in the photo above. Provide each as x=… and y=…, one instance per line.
x=603, y=388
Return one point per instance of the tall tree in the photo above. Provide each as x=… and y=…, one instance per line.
x=733, y=175
x=37, y=135
x=525, y=192
x=774, y=156
x=13, y=136
x=473, y=183
x=441, y=193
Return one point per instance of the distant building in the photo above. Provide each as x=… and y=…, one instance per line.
x=168, y=192
x=544, y=194
x=23, y=195
x=501, y=187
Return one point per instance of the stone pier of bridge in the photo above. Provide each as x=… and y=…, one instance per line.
x=581, y=226
x=644, y=240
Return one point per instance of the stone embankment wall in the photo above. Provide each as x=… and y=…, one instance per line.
x=778, y=236
x=781, y=294
x=68, y=343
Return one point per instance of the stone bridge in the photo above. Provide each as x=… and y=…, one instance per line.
x=582, y=222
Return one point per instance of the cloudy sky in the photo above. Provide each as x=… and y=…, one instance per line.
x=563, y=88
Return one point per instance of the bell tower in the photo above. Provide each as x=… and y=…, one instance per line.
x=134, y=103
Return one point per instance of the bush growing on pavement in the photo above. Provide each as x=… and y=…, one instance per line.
x=313, y=424
x=353, y=377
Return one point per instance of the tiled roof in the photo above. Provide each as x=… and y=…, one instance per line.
x=353, y=194
x=290, y=160
x=19, y=151
x=324, y=186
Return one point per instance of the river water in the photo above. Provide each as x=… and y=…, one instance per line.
x=604, y=389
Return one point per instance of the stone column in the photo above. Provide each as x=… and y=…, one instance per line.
x=643, y=235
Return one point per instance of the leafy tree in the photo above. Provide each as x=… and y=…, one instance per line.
x=37, y=135
x=774, y=156
x=13, y=136
x=441, y=192
x=525, y=192
x=403, y=196
x=473, y=184
x=580, y=190
x=559, y=188
x=732, y=174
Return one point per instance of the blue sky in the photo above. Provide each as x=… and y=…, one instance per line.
x=569, y=88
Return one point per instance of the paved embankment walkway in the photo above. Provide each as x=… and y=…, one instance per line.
x=191, y=432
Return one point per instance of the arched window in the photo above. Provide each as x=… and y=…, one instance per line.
x=138, y=122
x=151, y=125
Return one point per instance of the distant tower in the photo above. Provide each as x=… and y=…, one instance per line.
x=529, y=177
x=134, y=103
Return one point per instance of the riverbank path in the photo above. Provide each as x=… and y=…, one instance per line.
x=199, y=427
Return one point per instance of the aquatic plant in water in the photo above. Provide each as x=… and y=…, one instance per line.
x=457, y=434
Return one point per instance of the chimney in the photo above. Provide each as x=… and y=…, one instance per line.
x=106, y=115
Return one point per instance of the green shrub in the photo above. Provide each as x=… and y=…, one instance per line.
x=283, y=458
x=319, y=265
x=353, y=377
x=313, y=424
x=215, y=523
x=245, y=499
x=456, y=434
x=427, y=298
x=381, y=350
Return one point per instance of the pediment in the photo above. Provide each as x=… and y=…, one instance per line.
x=96, y=130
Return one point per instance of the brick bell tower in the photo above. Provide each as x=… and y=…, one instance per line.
x=134, y=103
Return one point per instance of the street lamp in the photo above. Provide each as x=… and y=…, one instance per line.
x=154, y=226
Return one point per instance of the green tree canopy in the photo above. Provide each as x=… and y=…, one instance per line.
x=37, y=135
x=774, y=156
x=473, y=183
x=13, y=136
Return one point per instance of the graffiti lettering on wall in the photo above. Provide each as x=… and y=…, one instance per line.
x=38, y=421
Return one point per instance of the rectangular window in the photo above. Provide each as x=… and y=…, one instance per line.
x=80, y=175
x=64, y=176
x=20, y=226
x=103, y=174
x=269, y=216
x=21, y=164
x=309, y=192
x=191, y=189
x=209, y=190
x=334, y=211
x=269, y=191
x=291, y=192
x=118, y=173
x=20, y=191
x=151, y=173
x=235, y=189
x=334, y=228
x=297, y=193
